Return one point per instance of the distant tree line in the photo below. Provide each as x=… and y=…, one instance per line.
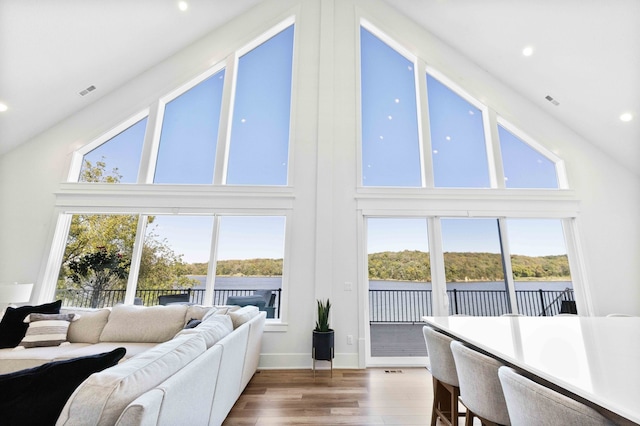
x=416, y=266
x=244, y=267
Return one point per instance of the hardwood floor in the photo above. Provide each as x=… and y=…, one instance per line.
x=375, y=396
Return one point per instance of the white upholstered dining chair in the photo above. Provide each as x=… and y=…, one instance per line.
x=532, y=404
x=480, y=388
x=446, y=390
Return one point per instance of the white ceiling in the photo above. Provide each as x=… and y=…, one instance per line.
x=50, y=50
x=586, y=55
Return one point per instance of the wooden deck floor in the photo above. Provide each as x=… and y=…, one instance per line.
x=397, y=340
x=374, y=396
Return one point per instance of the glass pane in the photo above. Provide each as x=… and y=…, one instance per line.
x=540, y=266
x=399, y=285
x=189, y=136
x=524, y=167
x=259, y=148
x=474, y=268
x=249, y=266
x=457, y=139
x=174, y=259
x=96, y=261
x=118, y=159
x=390, y=142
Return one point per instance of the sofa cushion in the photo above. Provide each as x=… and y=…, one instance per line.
x=36, y=396
x=101, y=398
x=213, y=329
x=46, y=329
x=196, y=312
x=219, y=310
x=154, y=324
x=132, y=348
x=243, y=315
x=13, y=360
x=89, y=326
x=12, y=326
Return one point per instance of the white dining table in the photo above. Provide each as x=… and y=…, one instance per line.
x=593, y=359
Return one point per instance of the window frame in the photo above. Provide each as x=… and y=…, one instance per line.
x=64, y=215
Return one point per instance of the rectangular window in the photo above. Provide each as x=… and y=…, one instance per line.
x=189, y=134
x=540, y=267
x=399, y=285
x=175, y=258
x=474, y=267
x=390, y=140
x=96, y=261
x=259, y=146
x=458, y=145
x=249, y=263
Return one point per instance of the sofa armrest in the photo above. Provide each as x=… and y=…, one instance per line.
x=254, y=346
x=143, y=411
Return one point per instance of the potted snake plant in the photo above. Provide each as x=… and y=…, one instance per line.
x=323, y=336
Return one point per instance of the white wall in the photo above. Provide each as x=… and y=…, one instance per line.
x=324, y=240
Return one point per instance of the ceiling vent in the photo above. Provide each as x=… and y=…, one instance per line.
x=87, y=90
x=553, y=101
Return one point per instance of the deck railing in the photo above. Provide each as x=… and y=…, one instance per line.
x=409, y=306
x=104, y=298
x=385, y=306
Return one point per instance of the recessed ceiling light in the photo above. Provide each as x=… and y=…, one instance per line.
x=627, y=116
x=527, y=51
x=3, y=107
x=183, y=5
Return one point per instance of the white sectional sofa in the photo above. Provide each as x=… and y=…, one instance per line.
x=170, y=375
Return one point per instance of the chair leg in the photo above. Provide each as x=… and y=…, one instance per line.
x=468, y=418
x=454, y=408
x=434, y=415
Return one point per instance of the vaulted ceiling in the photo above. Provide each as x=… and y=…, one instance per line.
x=586, y=55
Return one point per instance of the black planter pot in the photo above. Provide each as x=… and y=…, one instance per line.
x=322, y=349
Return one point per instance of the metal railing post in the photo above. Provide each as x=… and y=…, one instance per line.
x=455, y=300
x=544, y=309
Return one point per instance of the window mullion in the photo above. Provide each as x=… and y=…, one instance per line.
x=136, y=257
x=226, y=115
x=151, y=142
x=506, y=259
x=440, y=300
x=496, y=169
x=213, y=258
x=423, y=125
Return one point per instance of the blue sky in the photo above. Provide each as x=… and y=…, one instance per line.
x=240, y=237
x=258, y=154
x=529, y=237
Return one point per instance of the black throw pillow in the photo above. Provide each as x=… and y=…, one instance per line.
x=36, y=396
x=193, y=323
x=13, y=328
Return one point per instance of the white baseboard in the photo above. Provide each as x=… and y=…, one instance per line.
x=284, y=361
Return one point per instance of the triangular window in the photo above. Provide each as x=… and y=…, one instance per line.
x=524, y=166
x=117, y=160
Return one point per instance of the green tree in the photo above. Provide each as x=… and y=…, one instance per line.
x=99, y=250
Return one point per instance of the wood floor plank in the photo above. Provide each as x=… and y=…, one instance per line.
x=351, y=397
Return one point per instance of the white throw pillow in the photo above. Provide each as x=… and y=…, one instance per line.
x=243, y=315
